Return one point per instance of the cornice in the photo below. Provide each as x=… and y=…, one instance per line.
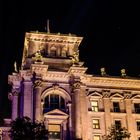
x=53, y=38
x=111, y=82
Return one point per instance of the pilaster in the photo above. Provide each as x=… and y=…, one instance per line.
x=129, y=117
x=28, y=99
x=37, y=103
x=70, y=121
x=77, y=107
x=64, y=130
x=106, y=99
x=15, y=80
x=13, y=96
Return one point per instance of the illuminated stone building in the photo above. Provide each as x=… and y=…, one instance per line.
x=53, y=86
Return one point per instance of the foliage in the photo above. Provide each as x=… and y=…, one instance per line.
x=117, y=133
x=25, y=129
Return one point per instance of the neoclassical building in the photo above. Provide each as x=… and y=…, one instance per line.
x=52, y=85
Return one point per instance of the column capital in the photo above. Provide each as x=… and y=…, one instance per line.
x=12, y=94
x=37, y=84
x=106, y=93
x=76, y=84
x=15, y=93
x=127, y=95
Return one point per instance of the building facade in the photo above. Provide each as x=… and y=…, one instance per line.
x=53, y=86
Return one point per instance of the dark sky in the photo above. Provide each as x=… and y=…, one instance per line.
x=111, y=31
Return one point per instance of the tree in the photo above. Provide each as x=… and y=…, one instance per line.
x=25, y=129
x=117, y=133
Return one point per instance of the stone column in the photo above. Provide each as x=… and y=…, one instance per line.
x=77, y=108
x=37, y=103
x=64, y=130
x=130, y=122
x=14, y=105
x=70, y=122
x=106, y=99
x=28, y=99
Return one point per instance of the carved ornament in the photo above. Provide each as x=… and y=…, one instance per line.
x=106, y=94
x=37, y=83
x=127, y=95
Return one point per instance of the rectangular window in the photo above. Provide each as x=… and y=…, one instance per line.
x=94, y=106
x=117, y=123
x=137, y=107
x=116, y=107
x=96, y=124
x=96, y=137
x=138, y=125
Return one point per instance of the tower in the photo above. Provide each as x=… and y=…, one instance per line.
x=48, y=85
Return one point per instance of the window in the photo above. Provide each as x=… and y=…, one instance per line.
x=94, y=106
x=54, y=101
x=117, y=123
x=137, y=107
x=116, y=107
x=96, y=124
x=138, y=125
x=96, y=137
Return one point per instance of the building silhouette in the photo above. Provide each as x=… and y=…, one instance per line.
x=52, y=85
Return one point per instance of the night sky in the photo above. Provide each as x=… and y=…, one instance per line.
x=111, y=31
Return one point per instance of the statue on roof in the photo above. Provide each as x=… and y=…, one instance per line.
x=75, y=57
x=123, y=72
x=15, y=67
x=103, y=72
x=38, y=56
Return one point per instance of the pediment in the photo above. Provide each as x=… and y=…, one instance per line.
x=136, y=97
x=56, y=112
x=95, y=94
x=117, y=96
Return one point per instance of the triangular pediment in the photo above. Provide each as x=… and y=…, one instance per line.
x=56, y=112
x=136, y=97
x=95, y=94
x=117, y=95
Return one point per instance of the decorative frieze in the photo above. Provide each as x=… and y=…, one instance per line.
x=39, y=69
x=56, y=76
x=78, y=71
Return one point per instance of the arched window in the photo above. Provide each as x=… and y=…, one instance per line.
x=54, y=101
